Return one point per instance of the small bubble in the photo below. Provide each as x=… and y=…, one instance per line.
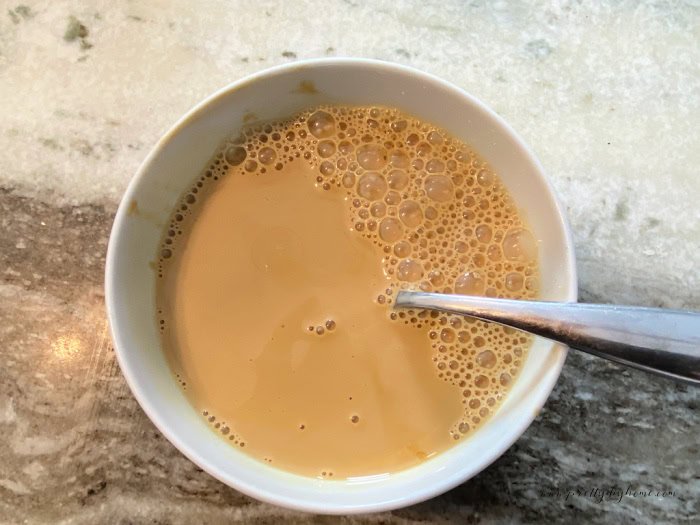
x=398, y=125
x=519, y=245
x=399, y=159
x=434, y=166
x=392, y=198
x=348, y=180
x=514, y=281
x=378, y=209
x=485, y=178
x=481, y=381
x=447, y=335
x=435, y=138
x=326, y=168
x=345, y=147
x=431, y=213
x=483, y=233
x=325, y=148
x=470, y=283
x=402, y=249
x=486, y=359
x=397, y=180
x=423, y=149
x=234, y=155
x=410, y=213
x=390, y=229
x=494, y=253
x=409, y=270
x=439, y=188
x=436, y=277
x=267, y=155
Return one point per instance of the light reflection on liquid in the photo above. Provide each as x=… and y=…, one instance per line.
x=361, y=480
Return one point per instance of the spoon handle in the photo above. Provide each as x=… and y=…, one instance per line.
x=665, y=342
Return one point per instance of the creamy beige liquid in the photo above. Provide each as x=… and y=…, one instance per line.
x=277, y=276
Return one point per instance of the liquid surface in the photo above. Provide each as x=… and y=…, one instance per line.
x=277, y=275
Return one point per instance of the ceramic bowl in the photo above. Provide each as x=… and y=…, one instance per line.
x=179, y=157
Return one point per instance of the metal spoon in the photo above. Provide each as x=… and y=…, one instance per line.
x=664, y=342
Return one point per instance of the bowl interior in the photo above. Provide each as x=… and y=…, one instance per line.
x=179, y=158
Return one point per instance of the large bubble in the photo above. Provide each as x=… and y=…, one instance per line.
x=371, y=186
x=371, y=156
x=321, y=125
x=439, y=188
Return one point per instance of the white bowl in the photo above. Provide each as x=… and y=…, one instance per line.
x=178, y=159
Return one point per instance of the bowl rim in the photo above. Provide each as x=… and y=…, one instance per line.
x=262, y=494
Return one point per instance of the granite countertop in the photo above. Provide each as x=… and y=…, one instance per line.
x=607, y=94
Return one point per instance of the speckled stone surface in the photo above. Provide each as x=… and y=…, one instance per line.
x=607, y=94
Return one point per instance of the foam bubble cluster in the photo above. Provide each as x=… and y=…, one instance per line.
x=440, y=216
x=321, y=329
x=224, y=429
